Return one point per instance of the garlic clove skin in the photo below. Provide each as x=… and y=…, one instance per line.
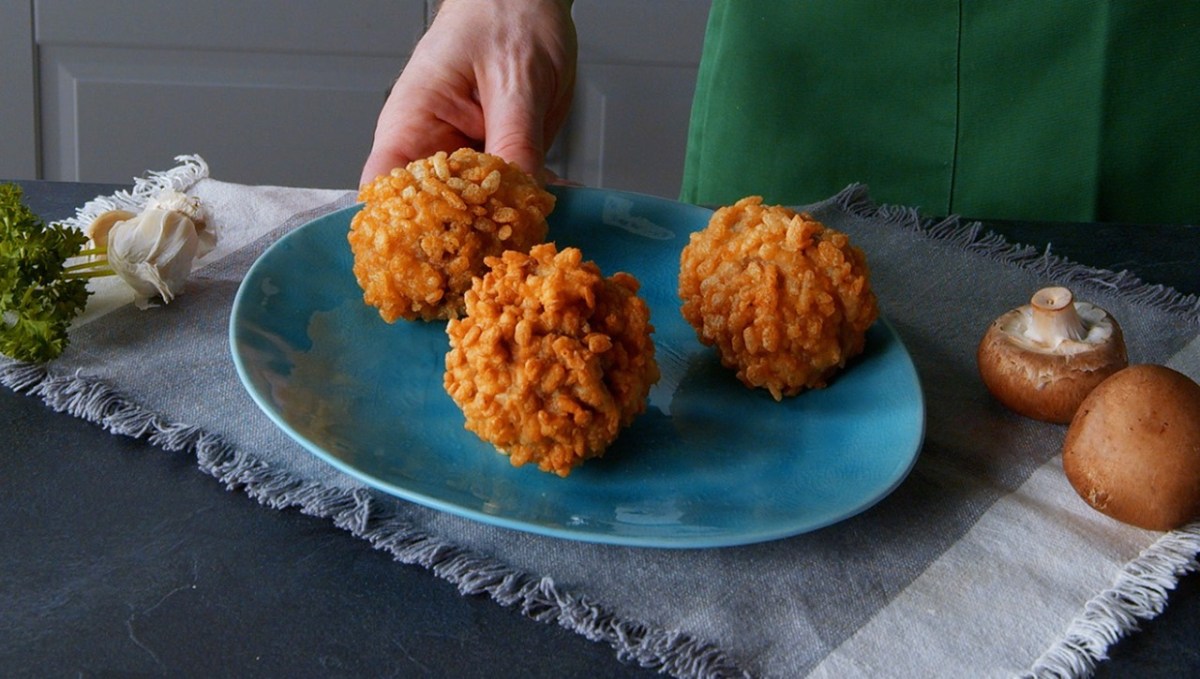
x=153, y=253
x=97, y=230
x=170, y=199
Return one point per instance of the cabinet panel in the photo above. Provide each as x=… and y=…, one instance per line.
x=641, y=31
x=110, y=114
x=366, y=27
x=265, y=92
x=637, y=74
x=628, y=129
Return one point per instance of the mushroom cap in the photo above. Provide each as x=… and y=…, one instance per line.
x=1133, y=449
x=1043, y=385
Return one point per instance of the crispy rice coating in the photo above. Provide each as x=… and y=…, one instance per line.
x=785, y=300
x=551, y=359
x=425, y=229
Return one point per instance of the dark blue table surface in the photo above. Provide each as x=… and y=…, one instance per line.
x=117, y=559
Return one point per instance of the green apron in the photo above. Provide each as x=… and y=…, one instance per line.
x=1073, y=110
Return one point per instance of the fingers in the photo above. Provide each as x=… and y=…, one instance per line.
x=511, y=134
x=523, y=108
x=514, y=132
x=381, y=162
x=511, y=128
x=417, y=122
x=397, y=151
x=495, y=75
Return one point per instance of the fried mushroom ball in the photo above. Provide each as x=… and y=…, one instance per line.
x=785, y=300
x=425, y=229
x=551, y=359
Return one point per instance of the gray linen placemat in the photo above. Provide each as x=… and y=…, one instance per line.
x=983, y=562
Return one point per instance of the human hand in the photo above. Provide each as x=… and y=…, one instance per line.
x=492, y=74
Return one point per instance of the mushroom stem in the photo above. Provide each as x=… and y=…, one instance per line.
x=1054, y=319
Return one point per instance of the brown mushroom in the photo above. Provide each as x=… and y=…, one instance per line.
x=1042, y=359
x=1133, y=449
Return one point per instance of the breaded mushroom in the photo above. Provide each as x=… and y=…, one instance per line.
x=551, y=359
x=424, y=230
x=785, y=300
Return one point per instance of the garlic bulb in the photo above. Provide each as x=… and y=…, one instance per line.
x=154, y=251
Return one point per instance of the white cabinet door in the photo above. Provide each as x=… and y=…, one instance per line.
x=637, y=74
x=266, y=91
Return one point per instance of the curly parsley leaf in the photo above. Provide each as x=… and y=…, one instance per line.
x=39, y=296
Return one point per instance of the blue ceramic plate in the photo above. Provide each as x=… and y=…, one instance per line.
x=710, y=463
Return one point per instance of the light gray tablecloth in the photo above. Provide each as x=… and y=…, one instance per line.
x=983, y=563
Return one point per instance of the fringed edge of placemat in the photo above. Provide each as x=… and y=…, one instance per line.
x=1139, y=592
x=356, y=511
x=191, y=169
x=1141, y=589
x=973, y=237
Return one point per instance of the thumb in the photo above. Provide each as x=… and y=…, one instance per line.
x=381, y=162
x=515, y=133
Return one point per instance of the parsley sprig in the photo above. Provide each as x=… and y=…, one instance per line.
x=40, y=293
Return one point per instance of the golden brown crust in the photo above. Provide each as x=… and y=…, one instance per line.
x=552, y=359
x=785, y=300
x=1133, y=449
x=425, y=229
x=1043, y=386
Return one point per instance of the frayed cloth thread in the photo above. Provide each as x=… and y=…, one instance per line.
x=191, y=169
x=361, y=514
x=973, y=237
x=1139, y=592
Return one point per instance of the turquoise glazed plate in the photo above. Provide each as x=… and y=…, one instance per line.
x=711, y=463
